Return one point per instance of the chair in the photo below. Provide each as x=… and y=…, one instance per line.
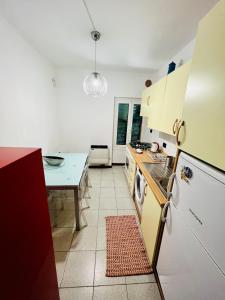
x=52, y=209
x=84, y=192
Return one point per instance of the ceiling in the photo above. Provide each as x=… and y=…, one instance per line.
x=139, y=35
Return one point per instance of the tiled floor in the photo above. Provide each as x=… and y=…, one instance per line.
x=81, y=256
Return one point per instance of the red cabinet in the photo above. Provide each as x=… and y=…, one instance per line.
x=27, y=268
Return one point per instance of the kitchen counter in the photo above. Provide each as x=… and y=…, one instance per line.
x=140, y=159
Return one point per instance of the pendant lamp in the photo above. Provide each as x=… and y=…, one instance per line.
x=95, y=84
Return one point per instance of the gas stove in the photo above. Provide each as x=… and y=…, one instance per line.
x=140, y=145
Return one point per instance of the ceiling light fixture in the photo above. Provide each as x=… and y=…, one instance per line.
x=94, y=84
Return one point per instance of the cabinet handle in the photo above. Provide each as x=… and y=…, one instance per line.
x=163, y=217
x=180, y=124
x=169, y=185
x=145, y=190
x=175, y=126
x=148, y=98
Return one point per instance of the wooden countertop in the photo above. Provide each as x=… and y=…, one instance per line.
x=144, y=157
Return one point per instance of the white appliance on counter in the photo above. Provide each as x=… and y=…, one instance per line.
x=191, y=263
x=139, y=188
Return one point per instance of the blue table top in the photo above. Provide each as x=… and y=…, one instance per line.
x=69, y=173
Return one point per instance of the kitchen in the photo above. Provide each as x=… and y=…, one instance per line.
x=43, y=105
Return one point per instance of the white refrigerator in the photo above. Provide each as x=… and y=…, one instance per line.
x=191, y=263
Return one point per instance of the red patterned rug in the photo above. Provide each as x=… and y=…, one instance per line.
x=125, y=248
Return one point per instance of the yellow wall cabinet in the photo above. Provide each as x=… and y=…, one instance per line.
x=174, y=99
x=150, y=222
x=163, y=101
x=156, y=101
x=203, y=131
x=145, y=102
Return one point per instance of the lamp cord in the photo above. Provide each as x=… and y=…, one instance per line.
x=89, y=14
x=94, y=28
x=95, y=56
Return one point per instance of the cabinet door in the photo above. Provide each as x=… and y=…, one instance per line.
x=203, y=133
x=145, y=102
x=185, y=269
x=150, y=221
x=174, y=98
x=156, y=102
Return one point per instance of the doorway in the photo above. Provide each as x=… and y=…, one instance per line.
x=127, y=126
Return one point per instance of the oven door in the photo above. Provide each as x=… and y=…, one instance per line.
x=139, y=189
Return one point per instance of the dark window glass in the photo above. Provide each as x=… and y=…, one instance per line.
x=123, y=111
x=136, y=123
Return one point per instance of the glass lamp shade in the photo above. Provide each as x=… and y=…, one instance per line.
x=95, y=85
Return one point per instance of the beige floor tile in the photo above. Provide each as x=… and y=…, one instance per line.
x=127, y=212
x=66, y=218
x=94, y=203
x=140, y=278
x=107, y=182
x=107, y=171
x=107, y=203
x=95, y=179
x=94, y=192
x=122, y=191
x=84, y=293
x=101, y=238
x=120, y=182
x=107, y=174
x=124, y=203
x=145, y=291
x=91, y=216
x=69, y=204
x=53, y=214
x=107, y=192
x=118, y=169
x=105, y=213
x=94, y=172
x=95, y=182
x=85, y=239
x=62, y=238
x=100, y=270
x=79, y=270
x=120, y=174
x=60, y=262
x=116, y=292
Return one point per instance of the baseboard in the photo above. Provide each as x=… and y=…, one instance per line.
x=100, y=166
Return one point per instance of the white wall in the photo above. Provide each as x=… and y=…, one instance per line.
x=28, y=115
x=27, y=97
x=181, y=57
x=85, y=120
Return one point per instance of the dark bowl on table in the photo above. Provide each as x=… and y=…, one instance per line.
x=53, y=160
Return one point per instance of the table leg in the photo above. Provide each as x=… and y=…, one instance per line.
x=77, y=208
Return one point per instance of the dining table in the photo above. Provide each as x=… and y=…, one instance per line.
x=67, y=176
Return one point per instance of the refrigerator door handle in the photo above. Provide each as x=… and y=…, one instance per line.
x=163, y=217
